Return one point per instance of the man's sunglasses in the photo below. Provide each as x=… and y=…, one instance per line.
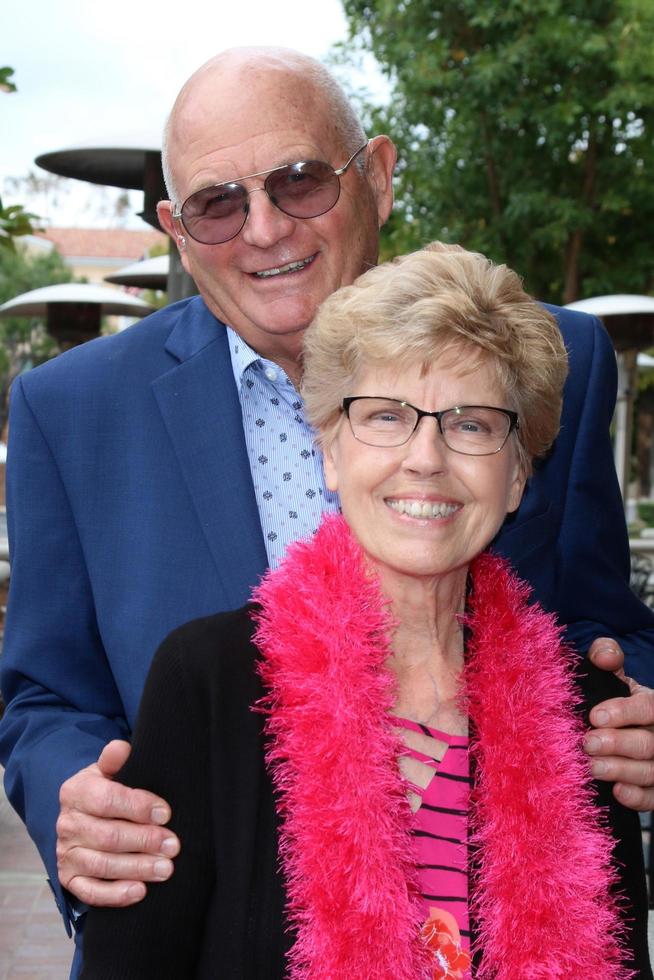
x=302, y=190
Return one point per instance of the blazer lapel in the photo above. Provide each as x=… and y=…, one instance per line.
x=202, y=414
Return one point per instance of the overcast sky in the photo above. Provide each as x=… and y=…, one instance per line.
x=101, y=71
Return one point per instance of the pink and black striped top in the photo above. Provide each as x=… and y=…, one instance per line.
x=441, y=827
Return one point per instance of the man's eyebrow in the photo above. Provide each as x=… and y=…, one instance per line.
x=288, y=161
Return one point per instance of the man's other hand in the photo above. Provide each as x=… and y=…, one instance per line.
x=111, y=839
x=621, y=743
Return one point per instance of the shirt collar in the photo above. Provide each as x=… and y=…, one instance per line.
x=242, y=356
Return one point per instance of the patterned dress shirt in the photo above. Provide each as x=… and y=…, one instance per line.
x=289, y=484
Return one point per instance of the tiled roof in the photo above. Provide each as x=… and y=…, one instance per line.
x=114, y=243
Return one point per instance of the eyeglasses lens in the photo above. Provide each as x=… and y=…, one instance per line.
x=215, y=214
x=472, y=430
x=476, y=431
x=302, y=190
x=381, y=421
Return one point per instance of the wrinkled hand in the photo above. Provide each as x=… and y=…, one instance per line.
x=111, y=839
x=621, y=743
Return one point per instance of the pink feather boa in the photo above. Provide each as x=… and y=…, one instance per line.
x=541, y=889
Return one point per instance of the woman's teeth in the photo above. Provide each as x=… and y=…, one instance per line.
x=422, y=508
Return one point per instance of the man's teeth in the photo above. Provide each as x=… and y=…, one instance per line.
x=289, y=267
x=422, y=508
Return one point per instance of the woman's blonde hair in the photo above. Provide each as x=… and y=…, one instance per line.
x=441, y=302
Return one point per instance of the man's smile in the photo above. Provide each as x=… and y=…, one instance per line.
x=289, y=267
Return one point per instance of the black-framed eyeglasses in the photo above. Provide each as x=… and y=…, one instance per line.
x=305, y=189
x=474, y=430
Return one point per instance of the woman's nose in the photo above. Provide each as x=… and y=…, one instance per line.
x=426, y=451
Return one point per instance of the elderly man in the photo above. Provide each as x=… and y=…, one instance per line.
x=155, y=474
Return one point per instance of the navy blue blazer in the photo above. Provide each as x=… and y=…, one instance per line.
x=131, y=511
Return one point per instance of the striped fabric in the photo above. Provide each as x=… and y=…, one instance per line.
x=440, y=826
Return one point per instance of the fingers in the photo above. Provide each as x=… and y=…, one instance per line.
x=630, y=744
x=78, y=865
x=119, y=837
x=113, y=757
x=638, y=709
x=93, y=854
x=606, y=654
x=618, y=769
x=633, y=778
x=91, y=791
x=110, y=838
x=108, y=894
x=635, y=797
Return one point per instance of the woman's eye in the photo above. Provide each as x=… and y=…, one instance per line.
x=472, y=426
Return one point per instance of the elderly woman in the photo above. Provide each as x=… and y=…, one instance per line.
x=409, y=791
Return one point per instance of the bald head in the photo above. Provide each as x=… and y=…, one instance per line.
x=251, y=77
x=246, y=114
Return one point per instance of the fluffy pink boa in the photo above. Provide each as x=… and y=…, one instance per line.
x=541, y=889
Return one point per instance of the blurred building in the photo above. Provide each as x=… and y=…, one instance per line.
x=93, y=253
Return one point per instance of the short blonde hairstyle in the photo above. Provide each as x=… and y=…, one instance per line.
x=440, y=302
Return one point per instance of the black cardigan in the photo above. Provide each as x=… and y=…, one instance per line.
x=198, y=744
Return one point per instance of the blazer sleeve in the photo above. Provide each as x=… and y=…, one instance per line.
x=630, y=885
x=595, y=595
x=160, y=938
x=48, y=732
x=569, y=536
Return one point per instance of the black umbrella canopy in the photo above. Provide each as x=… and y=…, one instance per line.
x=146, y=274
x=128, y=164
x=134, y=167
x=74, y=310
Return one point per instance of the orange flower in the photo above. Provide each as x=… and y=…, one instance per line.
x=440, y=934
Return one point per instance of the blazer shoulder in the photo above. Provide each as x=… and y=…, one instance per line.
x=140, y=351
x=582, y=326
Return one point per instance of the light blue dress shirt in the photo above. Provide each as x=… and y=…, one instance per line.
x=289, y=484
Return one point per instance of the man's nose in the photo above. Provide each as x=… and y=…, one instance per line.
x=266, y=224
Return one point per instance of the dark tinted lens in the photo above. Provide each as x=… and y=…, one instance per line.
x=304, y=190
x=215, y=214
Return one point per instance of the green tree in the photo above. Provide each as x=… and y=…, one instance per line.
x=14, y=219
x=525, y=130
x=24, y=341
x=6, y=84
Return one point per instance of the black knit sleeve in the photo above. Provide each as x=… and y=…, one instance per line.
x=161, y=937
x=599, y=685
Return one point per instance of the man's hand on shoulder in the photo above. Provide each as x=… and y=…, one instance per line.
x=111, y=839
x=621, y=743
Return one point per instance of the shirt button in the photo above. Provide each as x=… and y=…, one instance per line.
x=271, y=374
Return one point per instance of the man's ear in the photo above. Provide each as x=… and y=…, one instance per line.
x=166, y=220
x=381, y=164
x=173, y=228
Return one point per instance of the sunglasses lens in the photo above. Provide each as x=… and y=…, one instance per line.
x=215, y=214
x=304, y=190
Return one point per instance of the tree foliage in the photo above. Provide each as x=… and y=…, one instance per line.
x=525, y=130
x=14, y=219
x=24, y=341
x=6, y=84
